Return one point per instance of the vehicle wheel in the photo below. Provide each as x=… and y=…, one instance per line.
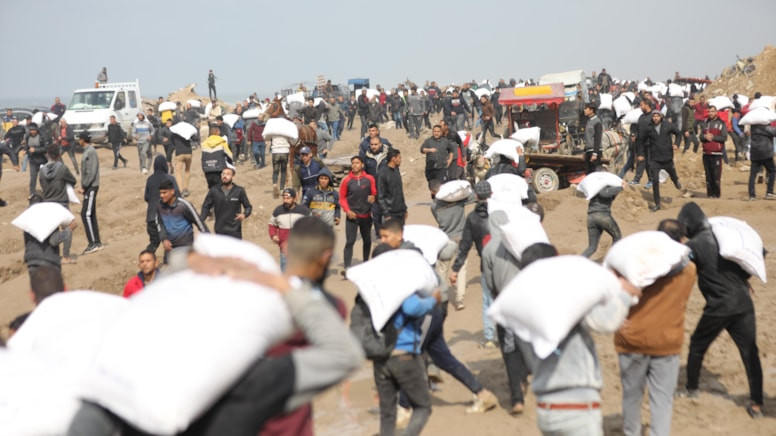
x=545, y=180
x=729, y=72
x=749, y=70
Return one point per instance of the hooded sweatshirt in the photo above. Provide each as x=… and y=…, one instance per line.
x=152, y=186
x=90, y=168
x=323, y=202
x=54, y=178
x=215, y=154
x=722, y=282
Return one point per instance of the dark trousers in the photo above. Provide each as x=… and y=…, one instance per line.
x=153, y=236
x=692, y=137
x=597, y=223
x=364, y=124
x=742, y=330
x=352, y=227
x=70, y=150
x=738, y=142
x=34, y=170
x=770, y=169
x=591, y=165
x=351, y=117
x=404, y=372
x=168, y=151
x=89, y=215
x=213, y=179
x=487, y=126
x=517, y=370
x=654, y=170
x=117, y=154
x=279, y=168
x=712, y=164
x=641, y=167
x=377, y=218
x=436, y=174
x=628, y=162
x=211, y=91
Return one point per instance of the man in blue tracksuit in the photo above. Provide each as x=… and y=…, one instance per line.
x=175, y=218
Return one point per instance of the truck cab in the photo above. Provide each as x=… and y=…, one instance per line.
x=90, y=109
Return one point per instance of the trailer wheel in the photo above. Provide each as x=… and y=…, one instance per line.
x=545, y=180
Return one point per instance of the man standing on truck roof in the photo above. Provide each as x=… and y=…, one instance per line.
x=102, y=77
x=211, y=85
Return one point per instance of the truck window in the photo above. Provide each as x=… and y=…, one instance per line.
x=132, y=99
x=120, y=101
x=90, y=100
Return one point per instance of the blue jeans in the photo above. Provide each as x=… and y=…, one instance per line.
x=334, y=127
x=488, y=327
x=259, y=149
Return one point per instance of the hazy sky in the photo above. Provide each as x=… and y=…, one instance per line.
x=55, y=46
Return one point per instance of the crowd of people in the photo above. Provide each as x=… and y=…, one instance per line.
x=371, y=196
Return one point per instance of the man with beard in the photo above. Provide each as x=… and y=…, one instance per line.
x=282, y=219
x=439, y=155
x=714, y=134
x=662, y=153
x=230, y=205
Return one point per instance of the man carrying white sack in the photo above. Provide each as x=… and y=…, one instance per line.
x=649, y=343
x=272, y=385
x=729, y=306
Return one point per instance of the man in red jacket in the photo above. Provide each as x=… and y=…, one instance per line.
x=357, y=195
x=148, y=271
x=713, y=137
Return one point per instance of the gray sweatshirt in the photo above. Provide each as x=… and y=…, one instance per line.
x=450, y=216
x=90, y=168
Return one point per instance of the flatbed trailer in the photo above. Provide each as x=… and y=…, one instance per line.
x=550, y=172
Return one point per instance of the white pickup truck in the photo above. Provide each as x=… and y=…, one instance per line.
x=91, y=108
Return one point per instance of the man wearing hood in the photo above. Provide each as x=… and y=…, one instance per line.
x=152, y=198
x=323, y=200
x=54, y=178
x=729, y=306
x=35, y=147
x=761, y=149
x=661, y=155
x=230, y=205
x=215, y=156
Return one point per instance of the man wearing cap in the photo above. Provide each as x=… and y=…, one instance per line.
x=713, y=137
x=593, y=133
x=661, y=155
x=282, y=219
x=90, y=184
x=35, y=147
x=306, y=173
x=230, y=205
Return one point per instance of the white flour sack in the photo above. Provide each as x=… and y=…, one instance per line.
x=606, y=101
x=184, y=130
x=758, y=116
x=528, y=136
x=454, y=190
x=523, y=230
x=504, y=147
x=740, y=243
x=281, y=127
x=430, y=240
x=41, y=219
x=593, y=183
x=549, y=297
x=387, y=280
x=508, y=187
x=644, y=257
x=180, y=345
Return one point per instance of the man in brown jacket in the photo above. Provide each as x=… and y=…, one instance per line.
x=488, y=112
x=649, y=343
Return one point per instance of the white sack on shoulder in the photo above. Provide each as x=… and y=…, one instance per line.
x=184, y=130
x=593, y=183
x=281, y=127
x=740, y=243
x=213, y=245
x=41, y=219
x=508, y=187
x=632, y=117
x=761, y=116
x=549, y=297
x=528, y=136
x=523, y=230
x=720, y=102
x=167, y=106
x=622, y=105
x=644, y=257
x=429, y=239
x=606, y=101
x=504, y=147
x=766, y=101
x=231, y=119
x=387, y=280
x=454, y=190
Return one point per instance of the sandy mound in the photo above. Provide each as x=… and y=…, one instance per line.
x=763, y=79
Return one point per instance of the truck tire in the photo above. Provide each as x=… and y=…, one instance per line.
x=545, y=180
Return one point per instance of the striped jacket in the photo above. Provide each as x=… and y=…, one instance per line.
x=175, y=222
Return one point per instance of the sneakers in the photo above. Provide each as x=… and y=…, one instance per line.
x=3, y=203
x=459, y=305
x=648, y=185
x=517, y=409
x=634, y=182
x=770, y=196
x=186, y=193
x=655, y=208
x=144, y=171
x=91, y=248
x=749, y=199
x=403, y=417
x=483, y=402
x=488, y=345
x=687, y=393
x=754, y=413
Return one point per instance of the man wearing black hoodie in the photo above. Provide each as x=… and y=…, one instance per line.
x=725, y=286
x=54, y=178
x=152, y=198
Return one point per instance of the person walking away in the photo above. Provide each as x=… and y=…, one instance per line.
x=600, y=219
x=688, y=125
x=737, y=135
x=216, y=156
x=259, y=146
x=90, y=184
x=729, y=306
x=46, y=252
x=390, y=190
x=211, y=85
x=358, y=191
x=648, y=346
x=279, y=148
x=54, y=178
x=165, y=138
x=175, y=219
x=182, y=148
x=362, y=104
x=488, y=112
x=333, y=118
x=151, y=197
x=594, y=131
x=230, y=206
x=439, y=155
x=713, y=136
x=761, y=156
x=35, y=147
x=638, y=135
x=323, y=200
x=283, y=219
x=661, y=156
x=149, y=271
x=116, y=137
x=142, y=132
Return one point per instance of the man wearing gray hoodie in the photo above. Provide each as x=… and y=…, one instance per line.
x=54, y=177
x=90, y=184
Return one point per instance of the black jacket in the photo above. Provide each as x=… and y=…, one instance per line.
x=602, y=202
x=474, y=231
x=390, y=192
x=363, y=105
x=639, y=131
x=225, y=207
x=660, y=145
x=182, y=146
x=152, y=186
x=722, y=282
x=437, y=159
x=116, y=134
x=39, y=143
x=761, y=142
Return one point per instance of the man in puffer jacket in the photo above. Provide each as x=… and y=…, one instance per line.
x=215, y=156
x=323, y=200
